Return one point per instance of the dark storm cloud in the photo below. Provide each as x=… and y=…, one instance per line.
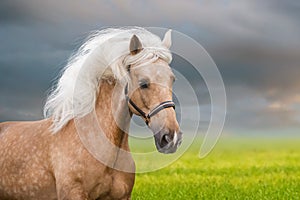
x=16, y=12
x=255, y=44
x=10, y=11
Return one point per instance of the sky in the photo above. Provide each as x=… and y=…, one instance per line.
x=255, y=44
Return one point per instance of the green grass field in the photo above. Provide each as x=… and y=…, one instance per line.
x=237, y=169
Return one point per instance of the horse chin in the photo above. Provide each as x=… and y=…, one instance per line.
x=166, y=150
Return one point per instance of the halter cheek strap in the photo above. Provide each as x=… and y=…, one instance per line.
x=154, y=111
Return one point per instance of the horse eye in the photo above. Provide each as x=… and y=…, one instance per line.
x=173, y=79
x=144, y=84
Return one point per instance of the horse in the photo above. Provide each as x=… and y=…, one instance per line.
x=116, y=73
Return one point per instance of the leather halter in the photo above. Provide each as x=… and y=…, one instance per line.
x=154, y=111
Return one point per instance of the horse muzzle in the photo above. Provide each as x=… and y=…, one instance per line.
x=166, y=142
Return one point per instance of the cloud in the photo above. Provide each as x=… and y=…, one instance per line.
x=13, y=11
x=250, y=110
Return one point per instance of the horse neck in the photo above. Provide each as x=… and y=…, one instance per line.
x=112, y=113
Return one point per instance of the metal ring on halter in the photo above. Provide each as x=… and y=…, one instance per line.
x=154, y=111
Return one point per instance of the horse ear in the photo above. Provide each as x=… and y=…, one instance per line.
x=135, y=45
x=167, y=41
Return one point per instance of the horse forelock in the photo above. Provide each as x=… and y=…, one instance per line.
x=104, y=54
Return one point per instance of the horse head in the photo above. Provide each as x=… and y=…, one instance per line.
x=149, y=94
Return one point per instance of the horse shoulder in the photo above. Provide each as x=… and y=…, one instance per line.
x=24, y=163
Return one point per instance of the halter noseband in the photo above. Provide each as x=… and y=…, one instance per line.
x=154, y=111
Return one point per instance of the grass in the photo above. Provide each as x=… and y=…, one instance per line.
x=237, y=169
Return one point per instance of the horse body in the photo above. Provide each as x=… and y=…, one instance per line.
x=25, y=166
x=39, y=165
x=50, y=159
x=36, y=164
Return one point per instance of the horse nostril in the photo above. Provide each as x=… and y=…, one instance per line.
x=166, y=139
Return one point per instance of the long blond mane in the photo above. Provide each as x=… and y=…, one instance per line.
x=104, y=54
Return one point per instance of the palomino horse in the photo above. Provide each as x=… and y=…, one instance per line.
x=115, y=73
